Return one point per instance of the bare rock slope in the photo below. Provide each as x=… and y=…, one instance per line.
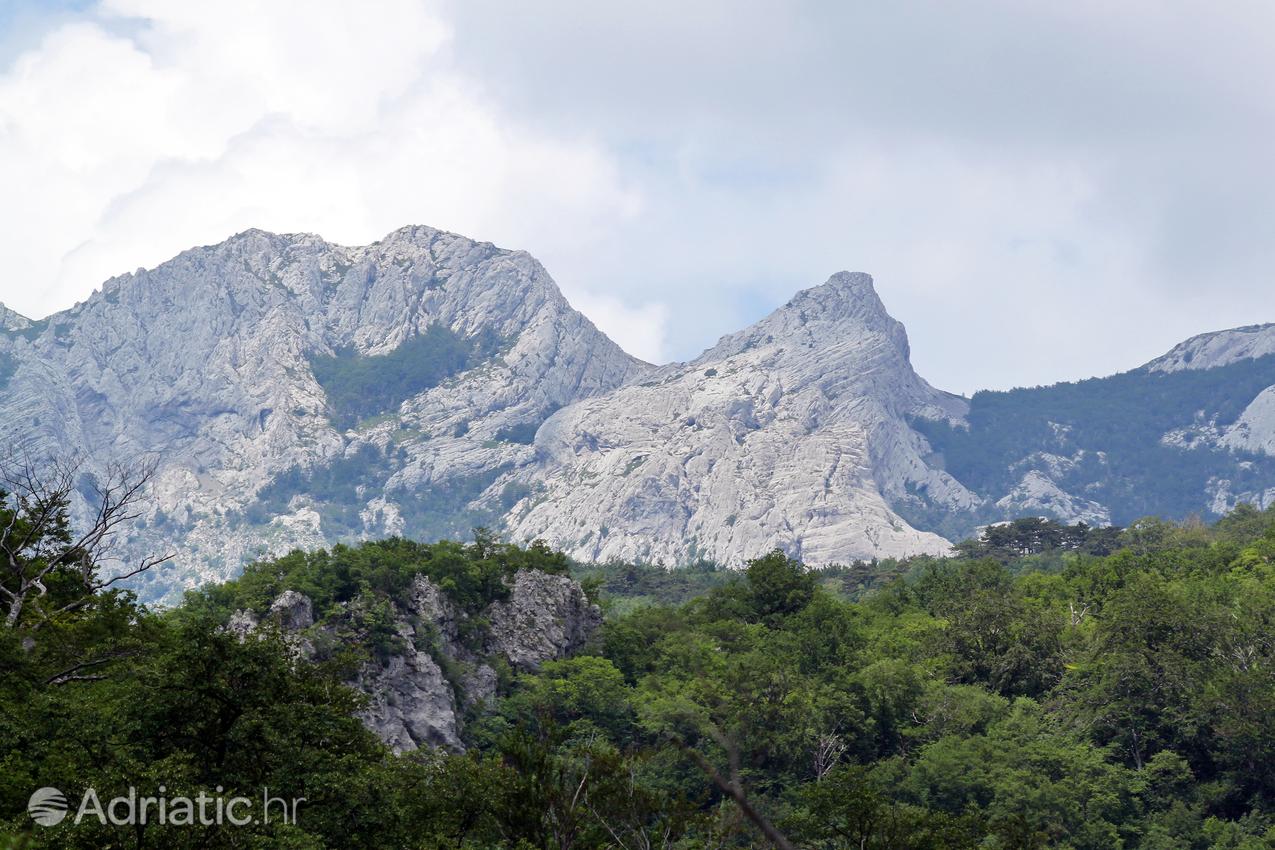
x=789, y=434
x=206, y=364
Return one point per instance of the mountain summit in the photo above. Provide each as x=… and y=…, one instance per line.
x=789, y=434
x=297, y=392
x=11, y=320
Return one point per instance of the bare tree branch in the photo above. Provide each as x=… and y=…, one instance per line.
x=732, y=788
x=37, y=539
x=70, y=674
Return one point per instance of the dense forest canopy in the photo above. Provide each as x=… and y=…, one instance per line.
x=1051, y=686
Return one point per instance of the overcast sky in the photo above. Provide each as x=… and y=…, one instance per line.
x=1043, y=191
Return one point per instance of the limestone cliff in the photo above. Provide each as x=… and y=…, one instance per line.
x=440, y=667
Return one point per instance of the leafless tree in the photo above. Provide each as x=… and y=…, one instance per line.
x=829, y=748
x=38, y=537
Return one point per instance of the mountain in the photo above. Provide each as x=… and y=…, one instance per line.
x=295, y=393
x=789, y=434
x=12, y=321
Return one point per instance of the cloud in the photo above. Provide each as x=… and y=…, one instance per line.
x=1042, y=191
x=150, y=127
x=639, y=331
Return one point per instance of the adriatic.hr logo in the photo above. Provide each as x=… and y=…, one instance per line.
x=49, y=807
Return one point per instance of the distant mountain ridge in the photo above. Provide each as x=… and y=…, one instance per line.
x=299, y=393
x=1220, y=348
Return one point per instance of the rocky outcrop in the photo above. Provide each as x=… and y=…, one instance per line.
x=412, y=701
x=545, y=617
x=436, y=613
x=293, y=611
x=1254, y=431
x=12, y=321
x=242, y=624
x=1036, y=494
x=414, y=704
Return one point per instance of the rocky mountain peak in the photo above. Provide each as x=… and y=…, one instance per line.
x=1220, y=348
x=844, y=295
x=772, y=438
x=843, y=313
x=11, y=320
x=257, y=366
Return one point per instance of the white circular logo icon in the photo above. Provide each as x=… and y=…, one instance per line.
x=47, y=807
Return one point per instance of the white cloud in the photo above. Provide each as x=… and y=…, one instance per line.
x=638, y=330
x=154, y=126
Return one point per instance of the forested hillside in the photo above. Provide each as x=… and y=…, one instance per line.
x=1114, y=449
x=1051, y=687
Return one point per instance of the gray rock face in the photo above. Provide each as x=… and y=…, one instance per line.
x=293, y=611
x=412, y=702
x=1222, y=348
x=790, y=434
x=1254, y=431
x=205, y=364
x=545, y=617
x=435, y=611
x=12, y=321
x=242, y=624
x=411, y=705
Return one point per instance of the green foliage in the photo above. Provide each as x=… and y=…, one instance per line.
x=340, y=491
x=778, y=586
x=359, y=386
x=1121, y=700
x=629, y=586
x=444, y=510
x=1009, y=541
x=336, y=488
x=472, y=575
